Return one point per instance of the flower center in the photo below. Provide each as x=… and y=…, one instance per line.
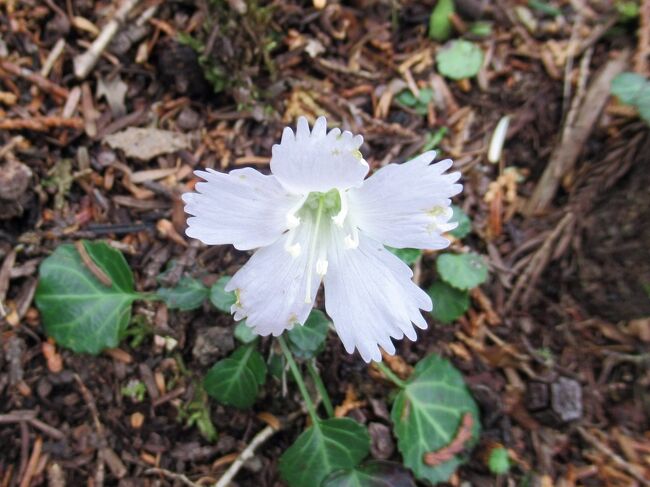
x=320, y=210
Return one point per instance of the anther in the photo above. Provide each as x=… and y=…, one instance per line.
x=339, y=219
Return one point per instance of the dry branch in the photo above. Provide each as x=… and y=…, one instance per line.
x=575, y=133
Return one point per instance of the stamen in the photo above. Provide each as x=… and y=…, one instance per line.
x=321, y=267
x=293, y=248
x=339, y=219
x=292, y=220
x=312, y=249
x=352, y=241
x=321, y=263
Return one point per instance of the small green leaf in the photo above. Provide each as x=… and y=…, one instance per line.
x=308, y=340
x=221, y=299
x=326, y=446
x=408, y=256
x=440, y=26
x=633, y=89
x=628, y=86
x=544, y=7
x=481, y=28
x=463, y=271
x=427, y=413
x=459, y=59
x=464, y=223
x=188, y=294
x=433, y=139
x=419, y=104
x=449, y=303
x=77, y=310
x=235, y=381
x=244, y=333
x=498, y=461
x=371, y=474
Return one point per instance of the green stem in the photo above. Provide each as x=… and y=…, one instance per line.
x=390, y=375
x=315, y=376
x=298, y=377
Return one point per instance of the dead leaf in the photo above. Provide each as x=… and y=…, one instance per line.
x=147, y=143
x=349, y=403
x=113, y=90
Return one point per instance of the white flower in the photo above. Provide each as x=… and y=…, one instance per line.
x=316, y=219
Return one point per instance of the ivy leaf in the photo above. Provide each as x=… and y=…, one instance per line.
x=464, y=223
x=459, y=59
x=449, y=303
x=427, y=413
x=253, y=360
x=463, y=271
x=408, y=256
x=371, y=474
x=308, y=340
x=221, y=299
x=235, y=381
x=78, y=311
x=439, y=24
x=188, y=294
x=324, y=447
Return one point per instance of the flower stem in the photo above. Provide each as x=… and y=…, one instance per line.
x=321, y=388
x=298, y=377
x=390, y=375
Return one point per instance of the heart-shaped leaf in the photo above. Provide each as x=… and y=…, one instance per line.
x=371, y=474
x=78, y=310
x=221, y=299
x=449, y=303
x=188, y=294
x=326, y=446
x=427, y=414
x=236, y=381
x=463, y=271
x=459, y=59
x=408, y=256
x=308, y=340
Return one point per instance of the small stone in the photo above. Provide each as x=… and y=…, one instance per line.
x=555, y=403
x=382, y=445
x=211, y=344
x=14, y=179
x=566, y=399
x=188, y=119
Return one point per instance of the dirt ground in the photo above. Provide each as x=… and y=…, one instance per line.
x=555, y=346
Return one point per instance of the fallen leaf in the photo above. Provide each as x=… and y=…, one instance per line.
x=147, y=143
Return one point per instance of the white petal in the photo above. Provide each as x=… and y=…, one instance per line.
x=407, y=205
x=272, y=286
x=317, y=160
x=370, y=297
x=244, y=208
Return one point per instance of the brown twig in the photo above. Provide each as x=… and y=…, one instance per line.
x=85, y=62
x=41, y=123
x=40, y=81
x=608, y=452
x=575, y=132
x=171, y=475
x=642, y=54
x=33, y=462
